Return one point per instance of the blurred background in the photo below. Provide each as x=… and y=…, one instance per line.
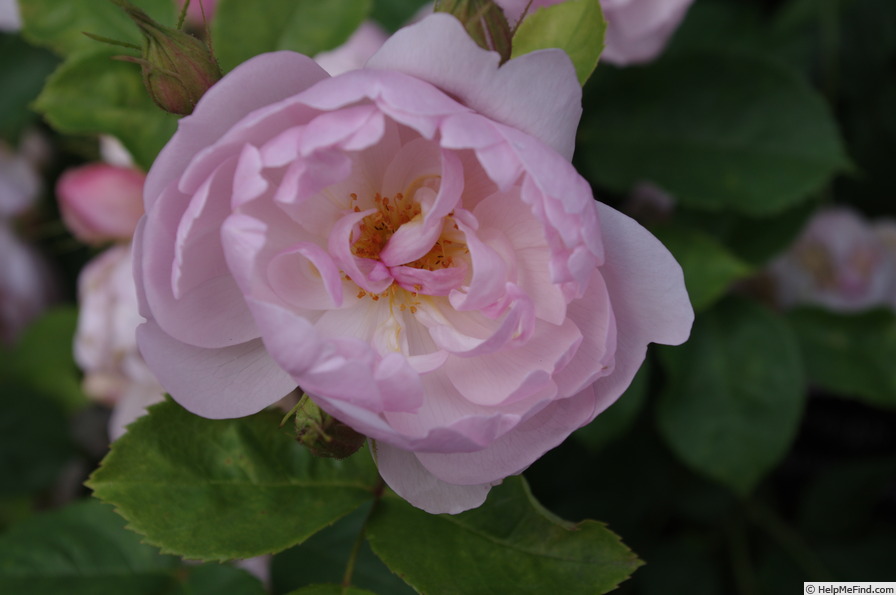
x=759, y=145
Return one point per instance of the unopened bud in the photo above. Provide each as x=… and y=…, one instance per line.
x=324, y=435
x=484, y=21
x=177, y=68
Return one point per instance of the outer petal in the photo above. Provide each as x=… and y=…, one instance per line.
x=519, y=448
x=269, y=78
x=410, y=480
x=649, y=299
x=537, y=93
x=215, y=383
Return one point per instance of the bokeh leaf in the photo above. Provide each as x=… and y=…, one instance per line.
x=508, y=545
x=618, y=418
x=734, y=395
x=718, y=130
x=849, y=354
x=81, y=550
x=323, y=558
x=222, y=489
x=243, y=29
x=709, y=268
x=575, y=26
x=91, y=94
x=61, y=25
x=23, y=69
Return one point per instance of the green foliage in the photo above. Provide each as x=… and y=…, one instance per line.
x=718, y=130
x=734, y=394
x=91, y=93
x=324, y=556
x=330, y=590
x=242, y=29
x=221, y=489
x=23, y=69
x=850, y=354
x=84, y=549
x=46, y=345
x=394, y=14
x=709, y=268
x=575, y=26
x=61, y=25
x=509, y=544
x=34, y=440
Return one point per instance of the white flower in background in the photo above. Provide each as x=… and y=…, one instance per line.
x=27, y=286
x=840, y=261
x=10, y=17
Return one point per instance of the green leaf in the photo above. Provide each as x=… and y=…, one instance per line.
x=243, y=29
x=323, y=558
x=91, y=94
x=23, y=69
x=575, y=26
x=619, y=417
x=330, y=590
x=34, y=440
x=717, y=130
x=394, y=14
x=81, y=550
x=709, y=268
x=221, y=489
x=849, y=354
x=61, y=25
x=220, y=579
x=46, y=345
x=508, y=545
x=734, y=395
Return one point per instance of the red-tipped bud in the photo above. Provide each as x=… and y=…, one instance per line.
x=484, y=21
x=177, y=68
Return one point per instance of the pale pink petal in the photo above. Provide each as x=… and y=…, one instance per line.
x=271, y=77
x=220, y=383
x=549, y=110
x=516, y=450
x=409, y=479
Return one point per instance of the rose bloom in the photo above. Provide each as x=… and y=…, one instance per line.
x=410, y=245
x=637, y=30
x=840, y=261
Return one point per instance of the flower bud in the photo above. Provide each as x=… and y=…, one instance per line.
x=324, y=435
x=100, y=202
x=177, y=67
x=484, y=21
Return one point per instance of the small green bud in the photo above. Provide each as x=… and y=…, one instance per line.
x=177, y=68
x=484, y=21
x=322, y=434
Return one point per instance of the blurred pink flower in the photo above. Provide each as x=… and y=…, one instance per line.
x=105, y=342
x=840, y=261
x=637, y=30
x=409, y=244
x=10, y=17
x=101, y=202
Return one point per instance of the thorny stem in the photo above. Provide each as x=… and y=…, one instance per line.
x=359, y=540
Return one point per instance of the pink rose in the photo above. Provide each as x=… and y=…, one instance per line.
x=105, y=344
x=637, y=30
x=410, y=245
x=100, y=202
x=839, y=261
